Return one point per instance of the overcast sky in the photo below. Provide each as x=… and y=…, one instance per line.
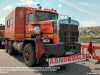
x=87, y=12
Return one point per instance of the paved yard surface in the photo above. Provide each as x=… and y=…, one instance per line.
x=81, y=68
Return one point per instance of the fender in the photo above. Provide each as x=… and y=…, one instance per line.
x=40, y=49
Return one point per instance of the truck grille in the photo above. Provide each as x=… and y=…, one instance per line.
x=69, y=36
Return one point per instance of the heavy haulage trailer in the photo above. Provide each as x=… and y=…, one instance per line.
x=40, y=35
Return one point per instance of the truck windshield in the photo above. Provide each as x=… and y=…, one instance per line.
x=46, y=16
x=41, y=16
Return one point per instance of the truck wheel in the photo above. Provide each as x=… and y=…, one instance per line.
x=10, y=49
x=29, y=55
x=6, y=46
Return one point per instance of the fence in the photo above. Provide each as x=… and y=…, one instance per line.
x=96, y=50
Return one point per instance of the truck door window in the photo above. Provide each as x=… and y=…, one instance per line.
x=8, y=22
x=30, y=18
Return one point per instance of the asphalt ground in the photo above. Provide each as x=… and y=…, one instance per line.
x=8, y=65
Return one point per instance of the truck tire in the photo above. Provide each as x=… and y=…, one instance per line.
x=9, y=49
x=6, y=46
x=29, y=55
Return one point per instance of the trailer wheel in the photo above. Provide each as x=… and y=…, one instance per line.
x=29, y=55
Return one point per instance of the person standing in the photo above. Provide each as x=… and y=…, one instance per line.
x=90, y=50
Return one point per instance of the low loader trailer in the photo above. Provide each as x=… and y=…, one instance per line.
x=40, y=35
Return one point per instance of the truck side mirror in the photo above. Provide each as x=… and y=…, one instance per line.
x=36, y=30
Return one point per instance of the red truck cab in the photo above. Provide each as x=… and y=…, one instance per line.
x=34, y=33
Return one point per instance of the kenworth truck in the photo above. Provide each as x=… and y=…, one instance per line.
x=39, y=35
